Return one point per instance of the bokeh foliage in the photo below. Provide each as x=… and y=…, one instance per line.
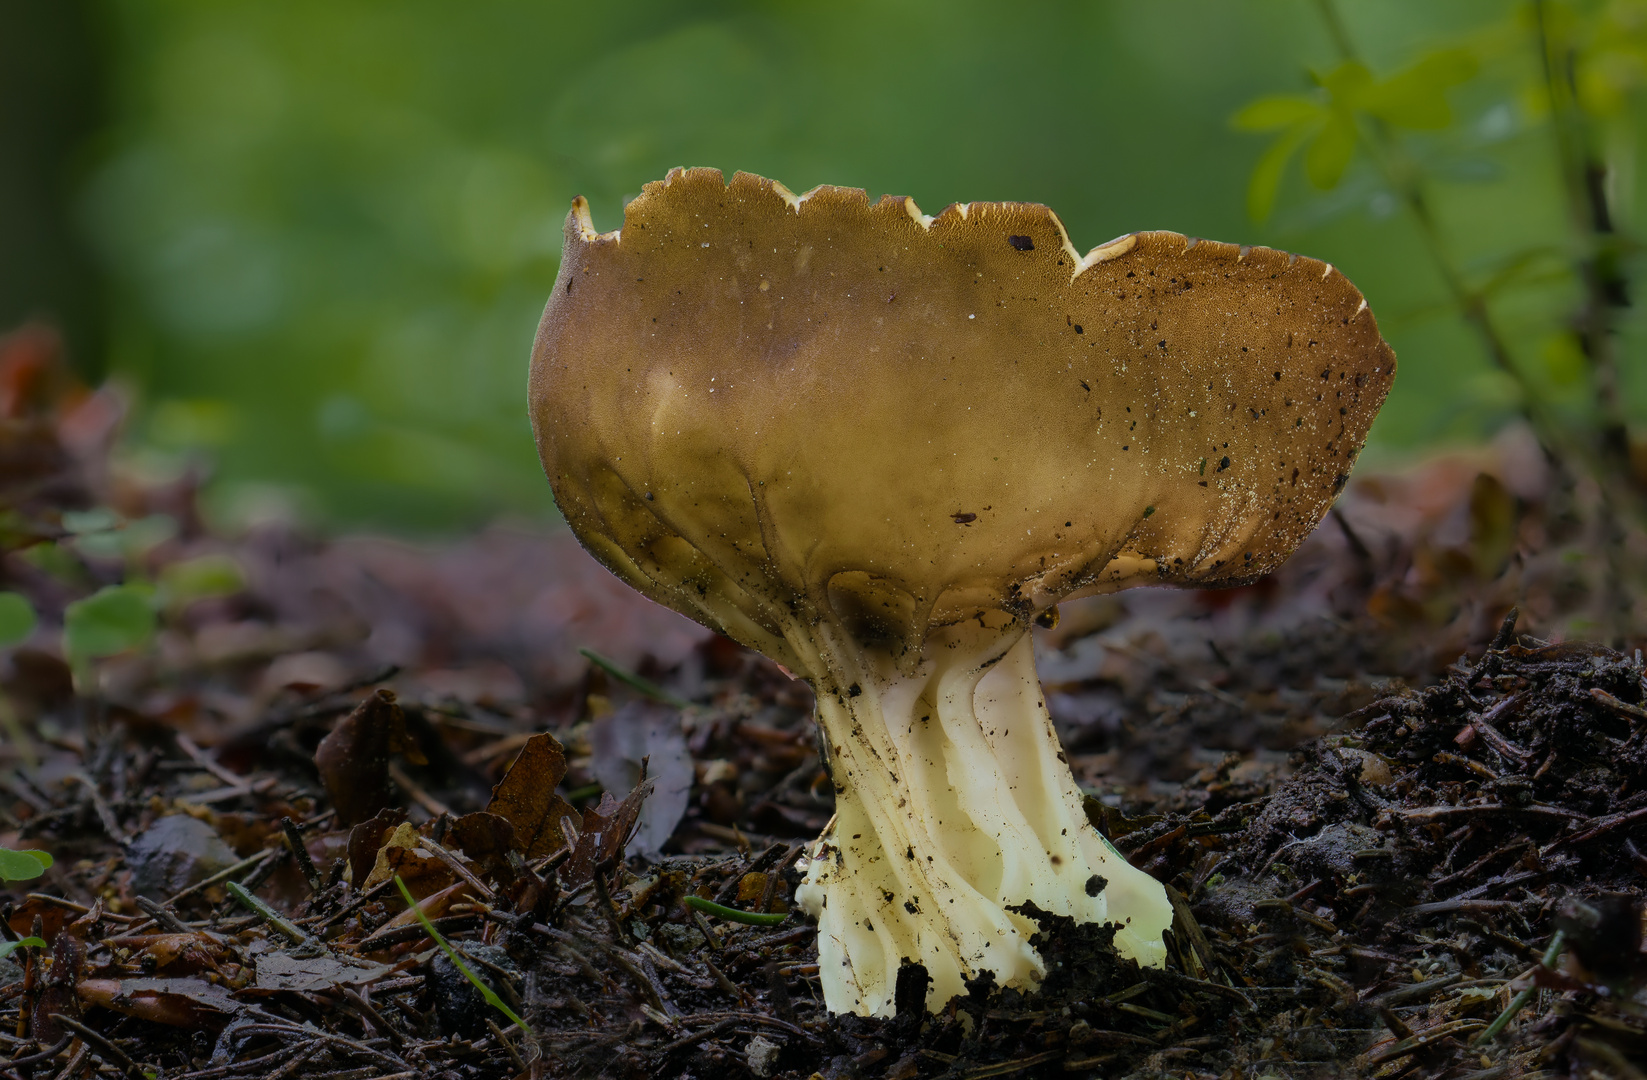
x=332, y=226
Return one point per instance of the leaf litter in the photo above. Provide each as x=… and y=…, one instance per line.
x=1404, y=836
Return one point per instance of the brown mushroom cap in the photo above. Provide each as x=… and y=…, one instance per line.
x=753, y=405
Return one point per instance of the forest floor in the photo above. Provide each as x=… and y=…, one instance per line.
x=1406, y=836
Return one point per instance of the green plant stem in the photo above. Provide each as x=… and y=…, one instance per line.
x=1519, y=1002
x=1390, y=158
x=1384, y=148
x=277, y=921
x=629, y=678
x=1598, y=263
x=486, y=992
x=1336, y=29
x=721, y=911
x=1598, y=266
x=15, y=732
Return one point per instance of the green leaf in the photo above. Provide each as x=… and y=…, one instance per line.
x=16, y=619
x=1266, y=175
x=1417, y=97
x=9, y=947
x=1347, y=82
x=1329, y=153
x=23, y=865
x=1447, y=67
x=112, y=620
x=1276, y=112
x=195, y=579
x=1564, y=360
x=97, y=519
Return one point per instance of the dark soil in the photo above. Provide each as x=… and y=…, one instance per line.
x=1389, y=820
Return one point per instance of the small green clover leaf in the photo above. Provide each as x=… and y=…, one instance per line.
x=182, y=583
x=23, y=865
x=112, y=620
x=9, y=947
x=16, y=619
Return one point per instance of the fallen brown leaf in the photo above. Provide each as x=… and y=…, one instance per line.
x=185, y=1003
x=174, y=954
x=400, y=855
x=283, y=971
x=365, y=839
x=354, y=759
x=485, y=838
x=605, y=833
x=526, y=798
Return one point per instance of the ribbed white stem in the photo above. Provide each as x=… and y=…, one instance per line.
x=953, y=800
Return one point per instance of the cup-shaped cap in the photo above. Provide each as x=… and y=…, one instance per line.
x=757, y=406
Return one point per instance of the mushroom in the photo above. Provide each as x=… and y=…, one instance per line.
x=876, y=445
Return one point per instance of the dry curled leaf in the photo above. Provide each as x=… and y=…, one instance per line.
x=487, y=839
x=185, y=1003
x=365, y=839
x=606, y=832
x=173, y=954
x=433, y=906
x=401, y=855
x=526, y=798
x=354, y=759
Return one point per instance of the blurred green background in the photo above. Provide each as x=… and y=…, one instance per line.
x=315, y=237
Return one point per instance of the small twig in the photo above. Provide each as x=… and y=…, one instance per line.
x=79, y=909
x=1430, y=813
x=706, y=930
x=221, y=876
x=297, y=1062
x=167, y=920
x=243, y=1068
x=111, y=824
x=415, y=791
x=396, y=935
x=1494, y=737
x=275, y=1024
x=608, y=908
x=457, y=867
x=1420, y=1041
x=693, y=1037
x=1406, y=995
x=1623, y=708
x=514, y=1055
x=775, y=874
x=1460, y=904
x=374, y=1017
x=727, y=985
x=1557, y=941
x=300, y=851
x=207, y=762
x=76, y=1061
x=44, y=1055
x=356, y=904
x=1606, y=824
x=102, y=1047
